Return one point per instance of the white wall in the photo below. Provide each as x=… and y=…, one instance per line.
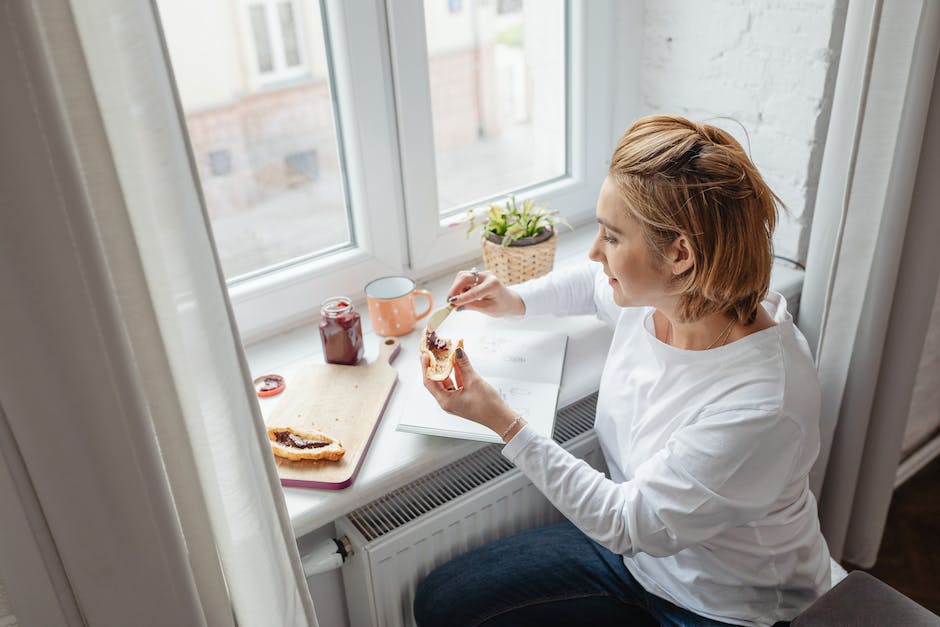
x=200, y=35
x=769, y=64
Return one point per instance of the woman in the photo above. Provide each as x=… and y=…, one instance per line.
x=707, y=414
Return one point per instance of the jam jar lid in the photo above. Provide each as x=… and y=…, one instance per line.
x=336, y=305
x=269, y=385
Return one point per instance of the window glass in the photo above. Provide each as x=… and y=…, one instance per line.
x=254, y=81
x=498, y=93
x=259, y=29
x=289, y=34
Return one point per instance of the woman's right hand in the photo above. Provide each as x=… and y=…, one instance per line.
x=482, y=291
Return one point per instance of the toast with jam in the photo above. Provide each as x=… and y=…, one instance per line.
x=441, y=352
x=296, y=445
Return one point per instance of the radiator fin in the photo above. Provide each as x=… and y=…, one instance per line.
x=405, y=504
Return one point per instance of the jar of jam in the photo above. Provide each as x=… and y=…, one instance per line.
x=340, y=331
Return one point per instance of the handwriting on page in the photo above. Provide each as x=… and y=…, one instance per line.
x=517, y=397
x=503, y=346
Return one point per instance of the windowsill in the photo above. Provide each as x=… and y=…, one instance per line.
x=394, y=458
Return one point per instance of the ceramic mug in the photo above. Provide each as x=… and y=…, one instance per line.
x=392, y=305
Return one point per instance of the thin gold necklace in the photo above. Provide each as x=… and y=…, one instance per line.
x=722, y=335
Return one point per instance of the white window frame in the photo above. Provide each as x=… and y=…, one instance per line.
x=275, y=301
x=393, y=210
x=434, y=245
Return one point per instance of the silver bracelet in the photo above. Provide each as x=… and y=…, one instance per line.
x=512, y=424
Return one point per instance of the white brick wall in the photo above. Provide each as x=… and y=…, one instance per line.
x=769, y=64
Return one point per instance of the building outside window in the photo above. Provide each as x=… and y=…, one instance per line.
x=321, y=129
x=280, y=195
x=498, y=87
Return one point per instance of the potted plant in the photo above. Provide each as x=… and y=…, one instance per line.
x=518, y=238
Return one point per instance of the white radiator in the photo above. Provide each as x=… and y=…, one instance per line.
x=401, y=537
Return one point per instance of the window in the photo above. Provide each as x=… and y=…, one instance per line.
x=220, y=162
x=337, y=141
x=552, y=140
x=272, y=177
x=497, y=78
x=275, y=39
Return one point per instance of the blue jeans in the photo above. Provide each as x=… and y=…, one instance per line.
x=554, y=575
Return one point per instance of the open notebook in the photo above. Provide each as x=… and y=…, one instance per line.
x=525, y=366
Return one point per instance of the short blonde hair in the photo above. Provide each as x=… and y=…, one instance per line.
x=681, y=177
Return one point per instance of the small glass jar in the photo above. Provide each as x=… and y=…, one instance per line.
x=340, y=331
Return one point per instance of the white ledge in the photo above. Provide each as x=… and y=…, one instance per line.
x=395, y=459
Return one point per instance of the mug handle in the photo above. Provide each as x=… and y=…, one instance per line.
x=427, y=295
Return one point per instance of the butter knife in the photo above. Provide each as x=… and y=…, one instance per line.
x=438, y=317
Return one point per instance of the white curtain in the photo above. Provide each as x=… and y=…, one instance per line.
x=871, y=263
x=132, y=440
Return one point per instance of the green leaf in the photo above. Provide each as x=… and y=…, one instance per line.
x=513, y=220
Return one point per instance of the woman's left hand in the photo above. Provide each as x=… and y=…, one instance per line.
x=473, y=399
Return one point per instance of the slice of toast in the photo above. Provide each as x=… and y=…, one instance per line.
x=441, y=352
x=295, y=444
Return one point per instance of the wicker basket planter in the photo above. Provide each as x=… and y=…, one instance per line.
x=524, y=259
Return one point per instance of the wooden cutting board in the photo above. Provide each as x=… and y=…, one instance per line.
x=346, y=403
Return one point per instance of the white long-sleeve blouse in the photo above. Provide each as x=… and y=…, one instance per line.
x=708, y=453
